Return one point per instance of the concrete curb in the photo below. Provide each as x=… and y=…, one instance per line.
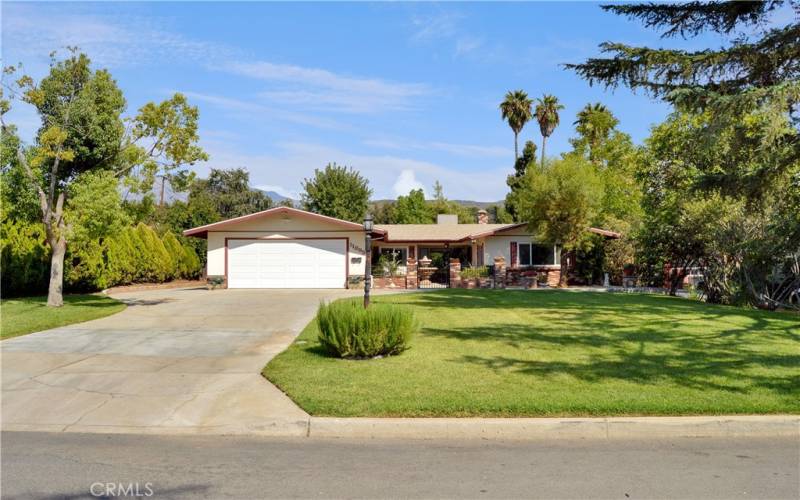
x=556, y=428
x=469, y=428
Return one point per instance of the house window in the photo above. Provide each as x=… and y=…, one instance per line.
x=531, y=254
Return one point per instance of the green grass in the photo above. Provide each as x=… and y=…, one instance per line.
x=557, y=353
x=31, y=314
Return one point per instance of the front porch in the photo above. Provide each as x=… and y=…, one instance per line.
x=424, y=264
x=422, y=273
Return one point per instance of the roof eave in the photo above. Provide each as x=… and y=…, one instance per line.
x=202, y=231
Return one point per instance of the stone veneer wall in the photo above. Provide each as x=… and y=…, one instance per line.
x=503, y=277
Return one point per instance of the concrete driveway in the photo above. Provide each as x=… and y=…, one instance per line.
x=175, y=361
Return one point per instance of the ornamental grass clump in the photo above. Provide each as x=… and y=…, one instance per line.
x=348, y=330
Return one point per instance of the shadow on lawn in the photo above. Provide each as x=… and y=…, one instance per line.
x=72, y=300
x=637, y=357
x=637, y=339
x=471, y=299
x=588, y=308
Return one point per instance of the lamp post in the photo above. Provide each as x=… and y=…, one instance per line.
x=368, y=259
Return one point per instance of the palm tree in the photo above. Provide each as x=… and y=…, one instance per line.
x=547, y=109
x=594, y=123
x=516, y=109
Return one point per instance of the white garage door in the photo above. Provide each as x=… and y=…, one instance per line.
x=287, y=264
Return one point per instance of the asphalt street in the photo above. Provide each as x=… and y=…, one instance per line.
x=72, y=465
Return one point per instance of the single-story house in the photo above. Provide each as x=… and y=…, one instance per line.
x=289, y=248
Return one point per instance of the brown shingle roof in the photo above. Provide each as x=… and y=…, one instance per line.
x=439, y=232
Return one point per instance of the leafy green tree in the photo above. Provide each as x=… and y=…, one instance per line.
x=559, y=202
x=516, y=110
x=514, y=181
x=745, y=241
x=95, y=210
x=83, y=130
x=229, y=192
x=441, y=205
x=499, y=215
x=413, y=209
x=337, y=191
x=547, y=109
x=594, y=125
x=615, y=158
x=18, y=197
x=754, y=80
x=383, y=212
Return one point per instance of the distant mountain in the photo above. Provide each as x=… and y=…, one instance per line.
x=466, y=203
x=277, y=198
x=479, y=204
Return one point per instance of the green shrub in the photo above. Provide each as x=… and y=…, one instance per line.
x=348, y=330
x=84, y=267
x=24, y=259
x=121, y=255
x=155, y=264
x=475, y=272
x=187, y=265
x=194, y=268
x=130, y=255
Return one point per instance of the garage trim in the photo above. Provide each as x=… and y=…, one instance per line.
x=264, y=238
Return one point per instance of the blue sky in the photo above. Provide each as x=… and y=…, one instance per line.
x=406, y=93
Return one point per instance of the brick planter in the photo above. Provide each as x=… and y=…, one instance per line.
x=384, y=282
x=474, y=283
x=532, y=277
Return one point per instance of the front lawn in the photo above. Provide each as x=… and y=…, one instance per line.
x=31, y=314
x=557, y=353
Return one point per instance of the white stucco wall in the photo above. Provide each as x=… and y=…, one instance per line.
x=496, y=246
x=284, y=227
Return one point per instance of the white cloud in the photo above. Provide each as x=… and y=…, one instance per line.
x=292, y=162
x=317, y=88
x=464, y=150
x=444, y=28
x=441, y=24
x=247, y=108
x=32, y=31
x=406, y=182
x=467, y=44
x=472, y=149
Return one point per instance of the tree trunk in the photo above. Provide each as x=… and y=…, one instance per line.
x=562, y=279
x=55, y=296
x=516, y=147
x=544, y=140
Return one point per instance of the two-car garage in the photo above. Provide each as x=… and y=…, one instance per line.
x=306, y=263
x=283, y=247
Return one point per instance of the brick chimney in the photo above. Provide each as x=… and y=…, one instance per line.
x=483, y=217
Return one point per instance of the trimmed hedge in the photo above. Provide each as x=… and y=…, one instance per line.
x=475, y=272
x=134, y=255
x=348, y=330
